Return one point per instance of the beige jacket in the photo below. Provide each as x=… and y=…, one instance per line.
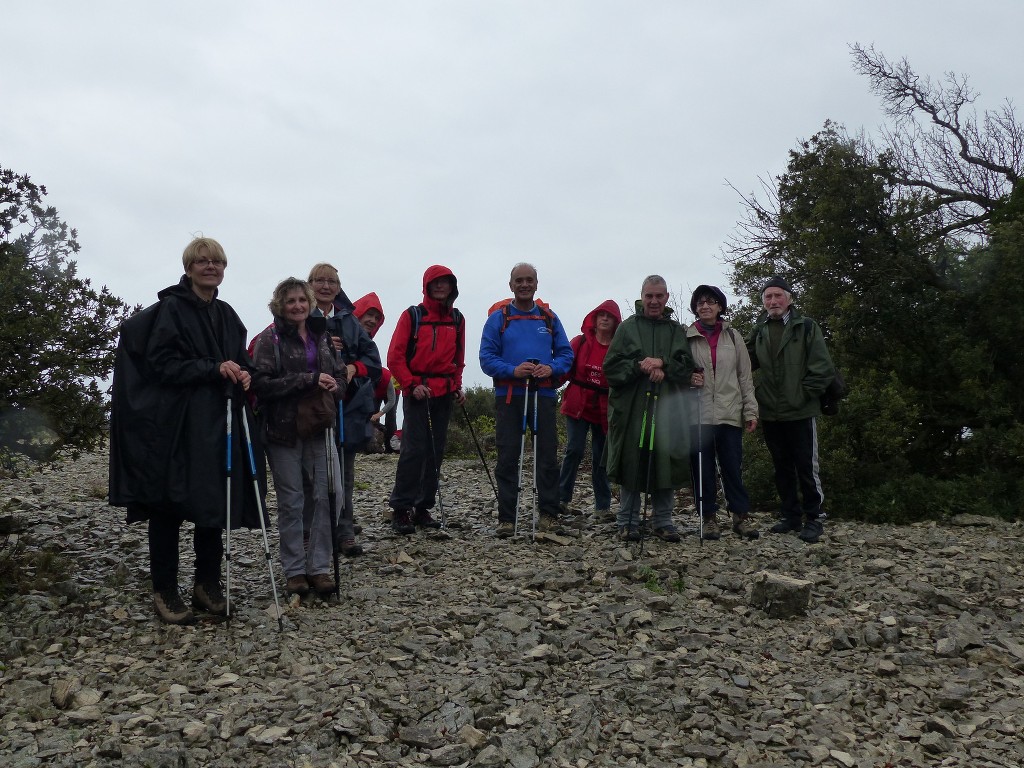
x=727, y=396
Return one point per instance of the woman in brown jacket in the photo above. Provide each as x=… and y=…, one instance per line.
x=297, y=383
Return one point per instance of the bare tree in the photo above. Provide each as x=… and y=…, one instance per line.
x=939, y=146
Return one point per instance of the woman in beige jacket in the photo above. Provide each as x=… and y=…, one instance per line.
x=725, y=393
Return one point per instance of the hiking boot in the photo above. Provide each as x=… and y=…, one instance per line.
x=322, y=583
x=812, y=531
x=401, y=523
x=422, y=519
x=388, y=514
x=785, y=525
x=604, y=515
x=171, y=608
x=349, y=548
x=627, y=533
x=743, y=527
x=549, y=524
x=505, y=531
x=670, y=534
x=297, y=585
x=711, y=531
x=356, y=528
x=209, y=597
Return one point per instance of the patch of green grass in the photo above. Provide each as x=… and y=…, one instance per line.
x=651, y=580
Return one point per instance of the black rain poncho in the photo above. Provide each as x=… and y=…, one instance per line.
x=168, y=443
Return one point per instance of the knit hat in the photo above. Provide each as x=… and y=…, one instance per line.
x=706, y=290
x=777, y=282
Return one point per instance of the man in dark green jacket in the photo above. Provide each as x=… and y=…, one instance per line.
x=792, y=368
x=648, y=368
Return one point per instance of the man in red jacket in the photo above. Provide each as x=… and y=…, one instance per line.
x=426, y=357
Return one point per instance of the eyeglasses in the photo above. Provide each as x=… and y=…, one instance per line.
x=325, y=281
x=204, y=263
x=709, y=302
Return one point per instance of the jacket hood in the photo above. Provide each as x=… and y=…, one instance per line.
x=433, y=273
x=666, y=313
x=590, y=321
x=183, y=290
x=367, y=302
x=342, y=303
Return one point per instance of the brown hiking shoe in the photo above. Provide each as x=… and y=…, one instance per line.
x=209, y=597
x=322, y=583
x=744, y=527
x=710, y=529
x=505, y=531
x=549, y=524
x=297, y=585
x=171, y=608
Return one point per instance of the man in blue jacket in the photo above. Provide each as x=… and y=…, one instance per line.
x=523, y=347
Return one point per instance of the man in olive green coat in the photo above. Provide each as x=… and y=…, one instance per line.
x=792, y=368
x=648, y=368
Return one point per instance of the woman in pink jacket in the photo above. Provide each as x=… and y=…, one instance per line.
x=585, y=406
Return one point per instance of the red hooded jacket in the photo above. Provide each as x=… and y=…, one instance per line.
x=440, y=347
x=360, y=307
x=586, y=397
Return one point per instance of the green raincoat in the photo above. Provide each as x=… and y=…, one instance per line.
x=631, y=395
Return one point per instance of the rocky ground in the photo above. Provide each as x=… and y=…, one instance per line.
x=456, y=648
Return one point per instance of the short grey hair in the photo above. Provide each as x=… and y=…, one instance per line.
x=652, y=279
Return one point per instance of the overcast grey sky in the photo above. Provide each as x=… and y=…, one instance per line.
x=592, y=138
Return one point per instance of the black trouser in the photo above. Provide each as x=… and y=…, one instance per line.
x=794, y=449
x=163, y=553
x=509, y=437
x=420, y=460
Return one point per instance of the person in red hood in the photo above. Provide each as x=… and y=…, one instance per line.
x=370, y=313
x=427, y=356
x=585, y=406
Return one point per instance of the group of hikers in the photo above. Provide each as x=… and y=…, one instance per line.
x=662, y=402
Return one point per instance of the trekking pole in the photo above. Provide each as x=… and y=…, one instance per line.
x=261, y=509
x=332, y=501
x=640, y=451
x=536, y=394
x=700, y=461
x=437, y=464
x=650, y=463
x=479, y=450
x=227, y=516
x=522, y=451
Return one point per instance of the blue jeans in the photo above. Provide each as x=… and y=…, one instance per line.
x=723, y=442
x=663, y=500
x=576, y=446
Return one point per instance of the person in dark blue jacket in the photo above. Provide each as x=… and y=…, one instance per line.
x=361, y=357
x=524, y=345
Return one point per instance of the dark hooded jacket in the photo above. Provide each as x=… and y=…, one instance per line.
x=283, y=376
x=586, y=397
x=629, y=405
x=438, y=356
x=169, y=415
x=358, y=349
